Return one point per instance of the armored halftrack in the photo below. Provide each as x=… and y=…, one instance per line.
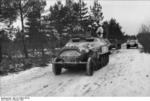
x=89, y=53
x=132, y=43
x=114, y=44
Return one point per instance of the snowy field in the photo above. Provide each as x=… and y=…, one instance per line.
x=127, y=74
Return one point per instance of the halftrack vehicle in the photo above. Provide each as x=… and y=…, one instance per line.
x=89, y=53
x=114, y=44
x=132, y=43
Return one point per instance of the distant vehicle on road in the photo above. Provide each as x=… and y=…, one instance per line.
x=82, y=52
x=108, y=42
x=114, y=44
x=132, y=43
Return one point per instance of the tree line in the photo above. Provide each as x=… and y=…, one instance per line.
x=39, y=31
x=144, y=37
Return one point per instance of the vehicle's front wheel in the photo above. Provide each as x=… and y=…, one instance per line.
x=89, y=67
x=107, y=58
x=119, y=46
x=128, y=47
x=56, y=68
x=136, y=45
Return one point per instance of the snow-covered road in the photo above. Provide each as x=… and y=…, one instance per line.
x=127, y=74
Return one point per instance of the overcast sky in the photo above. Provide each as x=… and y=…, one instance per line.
x=130, y=14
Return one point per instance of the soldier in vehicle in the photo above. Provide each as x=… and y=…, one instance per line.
x=96, y=30
x=99, y=31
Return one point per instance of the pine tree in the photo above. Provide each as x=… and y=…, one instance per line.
x=37, y=38
x=59, y=21
x=56, y=16
x=71, y=18
x=23, y=8
x=82, y=15
x=8, y=14
x=115, y=30
x=97, y=15
x=112, y=30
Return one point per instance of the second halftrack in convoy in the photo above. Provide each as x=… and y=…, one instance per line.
x=90, y=53
x=132, y=43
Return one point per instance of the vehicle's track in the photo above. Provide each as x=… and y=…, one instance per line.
x=123, y=76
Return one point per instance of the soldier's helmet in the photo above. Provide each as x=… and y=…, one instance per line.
x=99, y=30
